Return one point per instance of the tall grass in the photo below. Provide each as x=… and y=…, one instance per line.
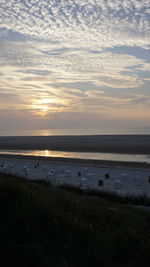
x=143, y=199
x=45, y=226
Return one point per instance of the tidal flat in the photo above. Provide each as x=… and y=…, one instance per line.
x=129, y=144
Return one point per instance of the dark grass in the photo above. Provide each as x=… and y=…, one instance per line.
x=45, y=226
x=137, y=200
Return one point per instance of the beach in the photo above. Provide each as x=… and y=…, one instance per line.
x=123, y=178
x=77, y=161
x=129, y=144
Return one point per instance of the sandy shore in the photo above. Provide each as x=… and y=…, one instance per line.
x=119, y=177
x=82, y=162
x=129, y=144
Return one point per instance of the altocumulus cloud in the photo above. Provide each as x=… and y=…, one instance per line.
x=95, y=23
x=43, y=43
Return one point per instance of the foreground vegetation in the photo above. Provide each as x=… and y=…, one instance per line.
x=136, y=200
x=45, y=226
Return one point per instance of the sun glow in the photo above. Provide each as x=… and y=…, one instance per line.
x=46, y=153
x=40, y=107
x=46, y=101
x=46, y=105
x=40, y=110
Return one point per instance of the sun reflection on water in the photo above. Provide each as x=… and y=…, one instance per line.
x=79, y=155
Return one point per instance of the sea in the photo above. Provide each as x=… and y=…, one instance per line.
x=79, y=155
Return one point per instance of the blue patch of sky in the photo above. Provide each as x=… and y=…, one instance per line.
x=58, y=51
x=13, y=36
x=145, y=90
x=84, y=86
x=76, y=85
x=36, y=72
x=135, y=71
x=136, y=51
x=9, y=35
x=142, y=90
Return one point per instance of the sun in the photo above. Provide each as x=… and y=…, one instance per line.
x=46, y=152
x=44, y=106
x=40, y=109
x=45, y=101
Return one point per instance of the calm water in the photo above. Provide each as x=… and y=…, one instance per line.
x=83, y=155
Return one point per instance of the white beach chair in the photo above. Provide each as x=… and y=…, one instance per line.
x=51, y=177
x=85, y=170
x=63, y=169
x=67, y=173
x=27, y=171
x=124, y=177
x=84, y=183
x=45, y=167
x=53, y=171
x=139, y=180
x=117, y=185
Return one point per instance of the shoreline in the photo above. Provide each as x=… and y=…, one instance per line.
x=77, y=161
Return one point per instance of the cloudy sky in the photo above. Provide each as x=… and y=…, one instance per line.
x=79, y=65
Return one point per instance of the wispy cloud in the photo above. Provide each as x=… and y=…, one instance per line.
x=32, y=61
x=49, y=48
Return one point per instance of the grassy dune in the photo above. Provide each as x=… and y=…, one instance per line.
x=45, y=226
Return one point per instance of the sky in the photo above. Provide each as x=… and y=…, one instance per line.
x=74, y=66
